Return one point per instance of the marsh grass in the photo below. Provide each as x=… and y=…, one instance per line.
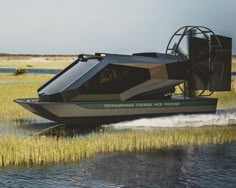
x=233, y=64
x=44, y=150
x=225, y=99
x=11, y=112
x=234, y=67
x=36, y=63
x=26, y=77
x=20, y=70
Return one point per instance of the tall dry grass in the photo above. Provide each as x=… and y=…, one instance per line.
x=225, y=99
x=44, y=150
x=37, y=63
x=22, y=88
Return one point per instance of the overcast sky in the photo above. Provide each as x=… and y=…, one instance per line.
x=114, y=26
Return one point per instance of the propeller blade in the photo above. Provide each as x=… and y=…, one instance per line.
x=199, y=61
x=178, y=50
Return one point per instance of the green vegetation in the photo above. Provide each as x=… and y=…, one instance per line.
x=44, y=64
x=225, y=99
x=10, y=90
x=234, y=67
x=36, y=62
x=42, y=78
x=44, y=150
x=234, y=64
x=20, y=70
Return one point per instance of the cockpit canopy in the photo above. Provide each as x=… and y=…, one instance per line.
x=116, y=77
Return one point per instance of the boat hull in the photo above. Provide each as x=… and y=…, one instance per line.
x=98, y=113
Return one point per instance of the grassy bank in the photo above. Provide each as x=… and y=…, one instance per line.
x=234, y=64
x=225, y=99
x=44, y=150
x=48, y=64
x=36, y=62
x=23, y=86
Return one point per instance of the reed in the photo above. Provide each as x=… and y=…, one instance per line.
x=45, y=150
x=20, y=70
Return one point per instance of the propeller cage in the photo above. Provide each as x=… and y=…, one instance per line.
x=208, y=56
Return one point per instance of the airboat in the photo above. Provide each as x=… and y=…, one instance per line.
x=106, y=88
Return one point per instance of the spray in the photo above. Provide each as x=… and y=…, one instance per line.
x=223, y=117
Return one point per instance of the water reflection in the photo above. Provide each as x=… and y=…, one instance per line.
x=40, y=126
x=24, y=127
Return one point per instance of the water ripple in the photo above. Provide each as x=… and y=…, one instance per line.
x=193, y=166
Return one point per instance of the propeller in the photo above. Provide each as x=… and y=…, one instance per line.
x=208, y=56
x=198, y=50
x=197, y=54
x=177, y=50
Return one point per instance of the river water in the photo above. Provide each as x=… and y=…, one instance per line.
x=31, y=71
x=201, y=166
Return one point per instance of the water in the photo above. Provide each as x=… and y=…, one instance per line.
x=233, y=74
x=25, y=127
x=31, y=71
x=202, y=166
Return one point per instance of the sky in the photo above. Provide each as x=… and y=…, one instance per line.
x=111, y=26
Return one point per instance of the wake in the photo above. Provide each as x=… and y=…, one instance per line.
x=223, y=117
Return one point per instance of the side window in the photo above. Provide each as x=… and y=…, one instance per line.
x=115, y=79
x=103, y=83
x=106, y=77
